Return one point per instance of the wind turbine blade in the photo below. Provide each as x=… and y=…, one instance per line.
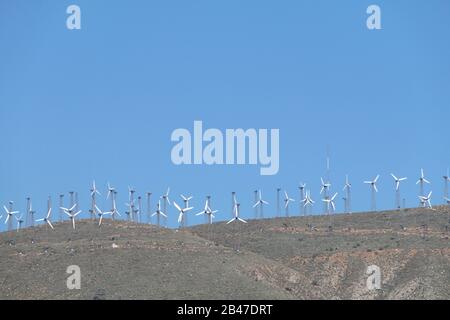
x=177, y=206
x=50, y=224
x=242, y=220
x=6, y=209
x=426, y=181
x=256, y=204
x=375, y=187
x=232, y=220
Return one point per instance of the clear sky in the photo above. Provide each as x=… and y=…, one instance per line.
x=101, y=102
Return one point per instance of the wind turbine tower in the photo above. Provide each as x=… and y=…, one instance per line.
x=397, y=190
x=256, y=207
x=61, y=204
x=302, y=199
x=446, y=180
x=422, y=180
x=348, y=197
x=27, y=217
x=278, y=201
x=149, y=195
x=94, y=192
x=374, y=190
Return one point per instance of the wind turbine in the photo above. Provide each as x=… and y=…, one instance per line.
x=238, y=220
x=114, y=210
x=47, y=217
x=131, y=205
x=61, y=204
x=422, y=180
x=348, y=197
x=330, y=203
x=325, y=187
x=237, y=217
x=166, y=201
x=182, y=212
x=208, y=212
x=373, y=187
x=255, y=201
x=447, y=200
x=72, y=214
x=308, y=202
x=278, y=201
x=9, y=215
x=20, y=221
x=186, y=205
x=287, y=200
x=233, y=202
x=397, y=189
x=149, y=195
x=27, y=215
x=94, y=192
x=446, y=180
x=159, y=213
x=302, y=197
x=139, y=209
x=130, y=211
x=260, y=203
x=110, y=191
x=426, y=200
x=101, y=214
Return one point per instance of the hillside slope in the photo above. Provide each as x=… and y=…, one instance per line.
x=285, y=258
x=412, y=249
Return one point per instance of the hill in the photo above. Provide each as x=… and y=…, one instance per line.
x=284, y=258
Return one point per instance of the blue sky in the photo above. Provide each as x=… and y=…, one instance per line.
x=101, y=102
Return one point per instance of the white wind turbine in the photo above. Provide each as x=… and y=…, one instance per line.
x=208, y=212
x=237, y=217
x=47, y=217
x=238, y=220
x=159, y=213
x=114, y=210
x=182, y=212
x=374, y=189
x=325, y=187
x=287, y=200
x=70, y=212
x=302, y=187
x=186, y=200
x=20, y=221
x=94, y=192
x=308, y=202
x=101, y=214
x=397, y=189
x=426, y=200
x=9, y=215
x=260, y=203
x=330, y=203
x=348, y=197
x=446, y=181
x=166, y=201
x=422, y=180
x=447, y=200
